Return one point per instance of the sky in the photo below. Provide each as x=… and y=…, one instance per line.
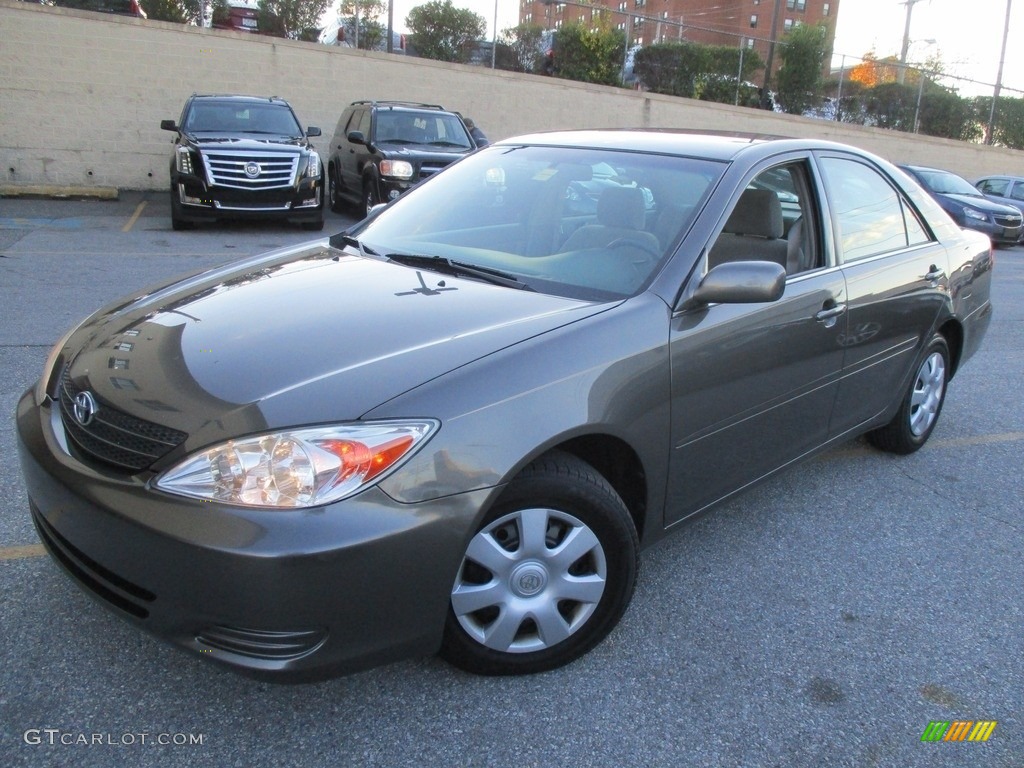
x=967, y=36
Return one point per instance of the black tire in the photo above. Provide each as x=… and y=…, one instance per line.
x=922, y=403
x=333, y=199
x=370, y=198
x=177, y=223
x=564, y=565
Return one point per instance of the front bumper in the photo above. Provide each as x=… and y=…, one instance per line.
x=287, y=596
x=200, y=201
x=996, y=233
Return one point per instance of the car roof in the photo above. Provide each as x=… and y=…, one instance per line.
x=714, y=145
x=230, y=97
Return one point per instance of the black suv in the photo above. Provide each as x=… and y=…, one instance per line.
x=243, y=157
x=382, y=148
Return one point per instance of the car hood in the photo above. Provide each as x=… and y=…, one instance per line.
x=980, y=203
x=312, y=336
x=419, y=152
x=258, y=141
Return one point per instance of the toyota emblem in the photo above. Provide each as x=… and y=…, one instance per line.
x=252, y=169
x=85, y=408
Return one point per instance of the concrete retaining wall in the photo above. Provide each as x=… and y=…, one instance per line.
x=82, y=96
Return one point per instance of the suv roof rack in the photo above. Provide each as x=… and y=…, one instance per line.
x=385, y=103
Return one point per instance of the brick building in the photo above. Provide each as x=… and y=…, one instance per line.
x=712, y=22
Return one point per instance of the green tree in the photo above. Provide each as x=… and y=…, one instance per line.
x=696, y=71
x=165, y=10
x=945, y=113
x=1008, y=128
x=799, y=81
x=522, y=48
x=443, y=32
x=590, y=55
x=891, y=105
x=290, y=18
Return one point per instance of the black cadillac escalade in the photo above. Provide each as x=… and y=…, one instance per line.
x=243, y=157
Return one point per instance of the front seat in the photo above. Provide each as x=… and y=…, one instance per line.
x=621, y=215
x=753, y=231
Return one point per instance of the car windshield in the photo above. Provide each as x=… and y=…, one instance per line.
x=587, y=223
x=946, y=183
x=407, y=127
x=228, y=117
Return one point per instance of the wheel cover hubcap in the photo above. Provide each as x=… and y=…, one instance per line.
x=927, y=395
x=529, y=580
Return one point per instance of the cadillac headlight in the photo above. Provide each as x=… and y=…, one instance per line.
x=183, y=159
x=297, y=468
x=312, y=166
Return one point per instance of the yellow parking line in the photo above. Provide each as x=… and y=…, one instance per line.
x=957, y=442
x=19, y=553
x=135, y=217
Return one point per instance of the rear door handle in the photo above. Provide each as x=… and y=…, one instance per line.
x=935, y=274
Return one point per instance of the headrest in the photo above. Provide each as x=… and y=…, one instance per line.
x=621, y=207
x=757, y=213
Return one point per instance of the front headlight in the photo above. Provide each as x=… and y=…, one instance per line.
x=297, y=468
x=973, y=213
x=396, y=169
x=184, y=160
x=312, y=166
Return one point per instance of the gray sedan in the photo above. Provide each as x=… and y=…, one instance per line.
x=455, y=426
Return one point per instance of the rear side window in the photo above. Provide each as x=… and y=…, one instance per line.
x=870, y=217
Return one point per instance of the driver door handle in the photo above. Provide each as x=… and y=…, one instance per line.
x=829, y=315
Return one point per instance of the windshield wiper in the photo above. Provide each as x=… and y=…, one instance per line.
x=441, y=143
x=458, y=268
x=343, y=238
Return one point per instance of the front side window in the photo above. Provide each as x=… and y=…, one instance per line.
x=586, y=223
x=994, y=186
x=774, y=219
x=869, y=216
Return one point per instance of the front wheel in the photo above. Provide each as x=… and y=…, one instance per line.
x=547, y=576
x=369, y=197
x=333, y=199
x=921, y=406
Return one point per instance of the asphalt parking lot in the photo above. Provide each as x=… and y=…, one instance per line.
x=823, y=619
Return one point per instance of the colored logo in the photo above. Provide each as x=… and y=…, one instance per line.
x=959, y=730
x=252, y=169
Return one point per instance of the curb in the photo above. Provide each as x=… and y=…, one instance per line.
x=58, y=191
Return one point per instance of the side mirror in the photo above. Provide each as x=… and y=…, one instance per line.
x=739, y=282
x=168, y=125
x=312, y=131
x=356, y=137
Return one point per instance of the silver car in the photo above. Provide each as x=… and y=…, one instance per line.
x=455, y=426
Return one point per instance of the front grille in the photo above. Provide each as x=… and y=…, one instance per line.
x=1007, y=221
x=429, y=168
x=115, y=437
x=226, y=168
x=261, y=643
x=104, y=583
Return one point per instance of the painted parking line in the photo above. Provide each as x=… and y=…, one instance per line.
x=41, y=223
x=22, y=552
x=135, y=217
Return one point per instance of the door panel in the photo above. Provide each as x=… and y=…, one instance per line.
x=753, y=387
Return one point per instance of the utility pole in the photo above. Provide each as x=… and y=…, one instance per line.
x=766, y=96
x=902, y=73
x=999, y=78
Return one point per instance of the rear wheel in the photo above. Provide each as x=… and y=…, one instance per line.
x=921, y=406
x=548, y=574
